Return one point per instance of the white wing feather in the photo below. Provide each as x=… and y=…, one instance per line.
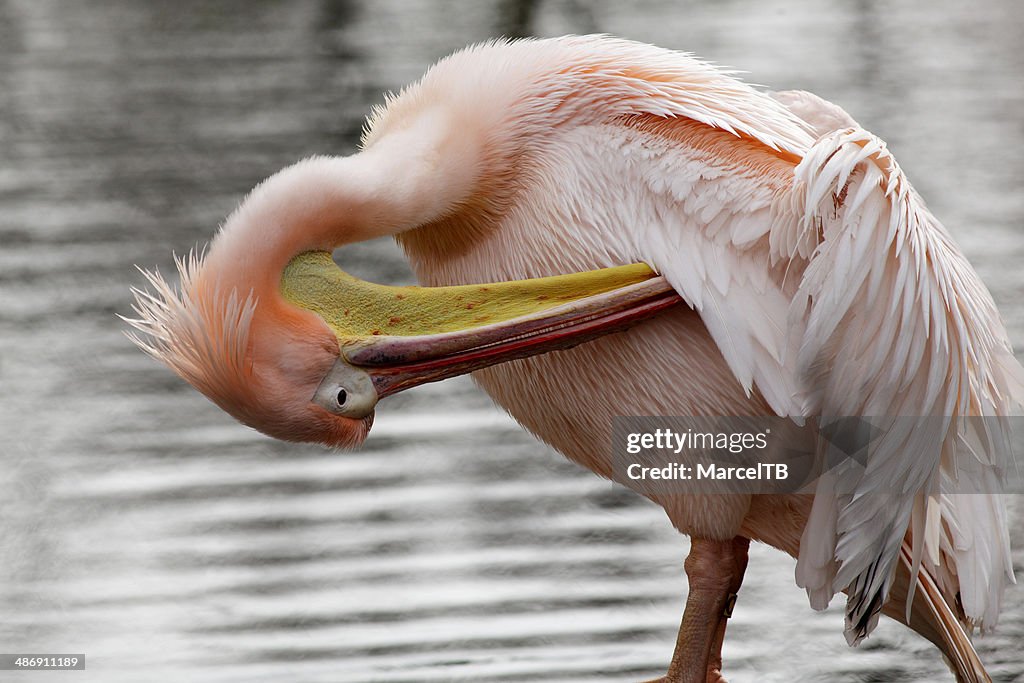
x=898, y=327
x=711, y=243
x=841, y=295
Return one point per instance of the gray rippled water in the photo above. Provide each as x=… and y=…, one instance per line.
x=143, y=527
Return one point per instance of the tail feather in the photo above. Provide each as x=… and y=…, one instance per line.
x=930, y=615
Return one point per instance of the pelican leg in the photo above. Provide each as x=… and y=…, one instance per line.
x=739, y=561
x=715, y=572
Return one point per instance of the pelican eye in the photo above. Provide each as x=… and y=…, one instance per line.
x=346, y=391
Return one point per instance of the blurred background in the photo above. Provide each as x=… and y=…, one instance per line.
x=143, y=527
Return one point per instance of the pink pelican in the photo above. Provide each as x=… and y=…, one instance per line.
x=816, y=283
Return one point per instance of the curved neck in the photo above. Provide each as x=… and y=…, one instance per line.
x=409, y=177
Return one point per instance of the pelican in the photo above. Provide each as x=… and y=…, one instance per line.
x=523, y=180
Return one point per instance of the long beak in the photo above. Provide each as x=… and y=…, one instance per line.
x=405, y=336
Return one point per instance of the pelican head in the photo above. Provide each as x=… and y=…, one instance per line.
x=244, y=354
